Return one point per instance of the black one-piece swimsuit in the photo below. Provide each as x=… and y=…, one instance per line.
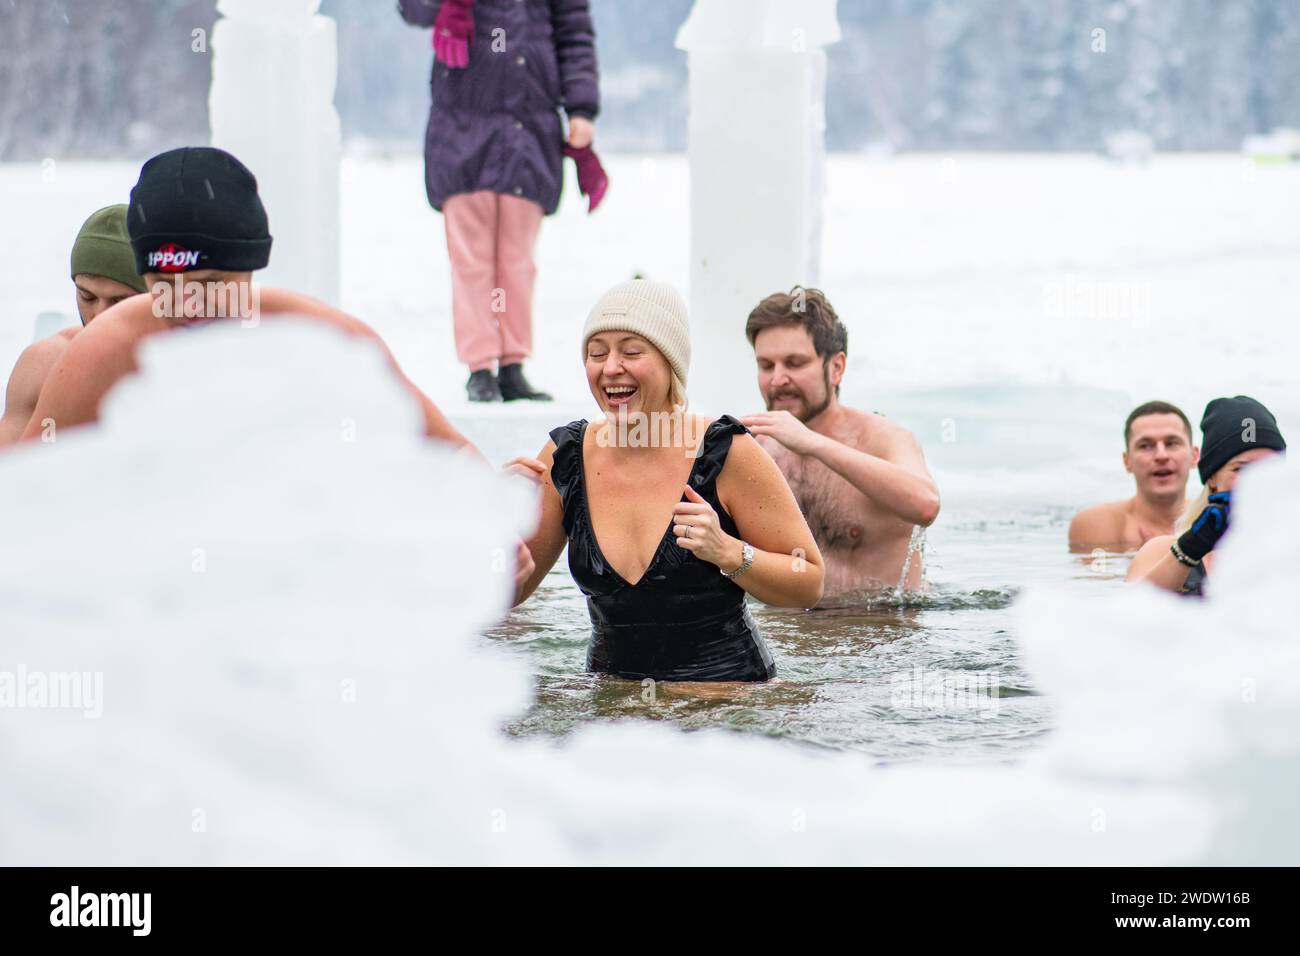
x=1195, y=583
x=682, y=620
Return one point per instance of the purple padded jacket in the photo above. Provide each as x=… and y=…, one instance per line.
x=496, y=124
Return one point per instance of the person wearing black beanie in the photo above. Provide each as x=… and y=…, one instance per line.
x=197, y=208
x=1235, y=432
x=196, y=219
x=196, y=222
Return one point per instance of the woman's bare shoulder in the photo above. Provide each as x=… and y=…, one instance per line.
x=1157, y=545
x=547, y=457
x=749, y=461
x=746, y=449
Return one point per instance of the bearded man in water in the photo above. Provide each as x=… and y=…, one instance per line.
x=860, y=480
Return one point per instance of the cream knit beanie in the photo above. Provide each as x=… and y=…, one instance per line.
x=653, y=310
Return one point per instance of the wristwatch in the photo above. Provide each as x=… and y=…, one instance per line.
x=746, y=559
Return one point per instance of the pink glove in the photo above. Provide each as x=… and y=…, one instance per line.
x=592, y=180
x=453, y=32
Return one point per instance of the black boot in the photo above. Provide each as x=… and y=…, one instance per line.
x=514, y=385
x=482, y=386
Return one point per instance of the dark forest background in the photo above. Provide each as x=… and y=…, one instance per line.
x=110, y=78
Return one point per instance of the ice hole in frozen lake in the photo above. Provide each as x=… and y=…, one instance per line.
x=317, y=692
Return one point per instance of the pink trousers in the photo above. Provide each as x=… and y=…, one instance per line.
x=490, y=241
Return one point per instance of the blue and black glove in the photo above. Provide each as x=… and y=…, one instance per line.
x=1199, y=540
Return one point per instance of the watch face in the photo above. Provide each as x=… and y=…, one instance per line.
x=746, y=559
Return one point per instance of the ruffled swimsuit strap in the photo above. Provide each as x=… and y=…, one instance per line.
x=713, y=454
x=566, y=470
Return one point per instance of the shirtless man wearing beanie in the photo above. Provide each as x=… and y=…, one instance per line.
x=195, y=218
x=103, y=271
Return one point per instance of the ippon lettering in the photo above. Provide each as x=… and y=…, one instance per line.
x=102, y=909
x=173, y=259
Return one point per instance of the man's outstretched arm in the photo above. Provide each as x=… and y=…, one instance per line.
x=898, y=480
x=436, y=424
x=901, y=483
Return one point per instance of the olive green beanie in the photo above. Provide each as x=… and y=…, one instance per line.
x=103, y=248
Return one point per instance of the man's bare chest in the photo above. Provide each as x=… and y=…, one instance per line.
x=838, y=515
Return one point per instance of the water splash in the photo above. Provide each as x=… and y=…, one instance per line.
x=915, y=552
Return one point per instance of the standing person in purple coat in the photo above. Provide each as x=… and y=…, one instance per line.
x=503, y=70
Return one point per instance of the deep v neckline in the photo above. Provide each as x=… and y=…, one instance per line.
x=591, y=523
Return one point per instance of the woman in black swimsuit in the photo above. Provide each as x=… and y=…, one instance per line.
x=1235, y=432
x=670, y=519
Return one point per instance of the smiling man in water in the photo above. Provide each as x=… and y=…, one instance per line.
x=1159, y=454
x=860, y=480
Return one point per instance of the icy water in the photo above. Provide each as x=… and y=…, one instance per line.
x=897, y=677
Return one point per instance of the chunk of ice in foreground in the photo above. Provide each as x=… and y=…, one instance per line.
x=282, y=583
